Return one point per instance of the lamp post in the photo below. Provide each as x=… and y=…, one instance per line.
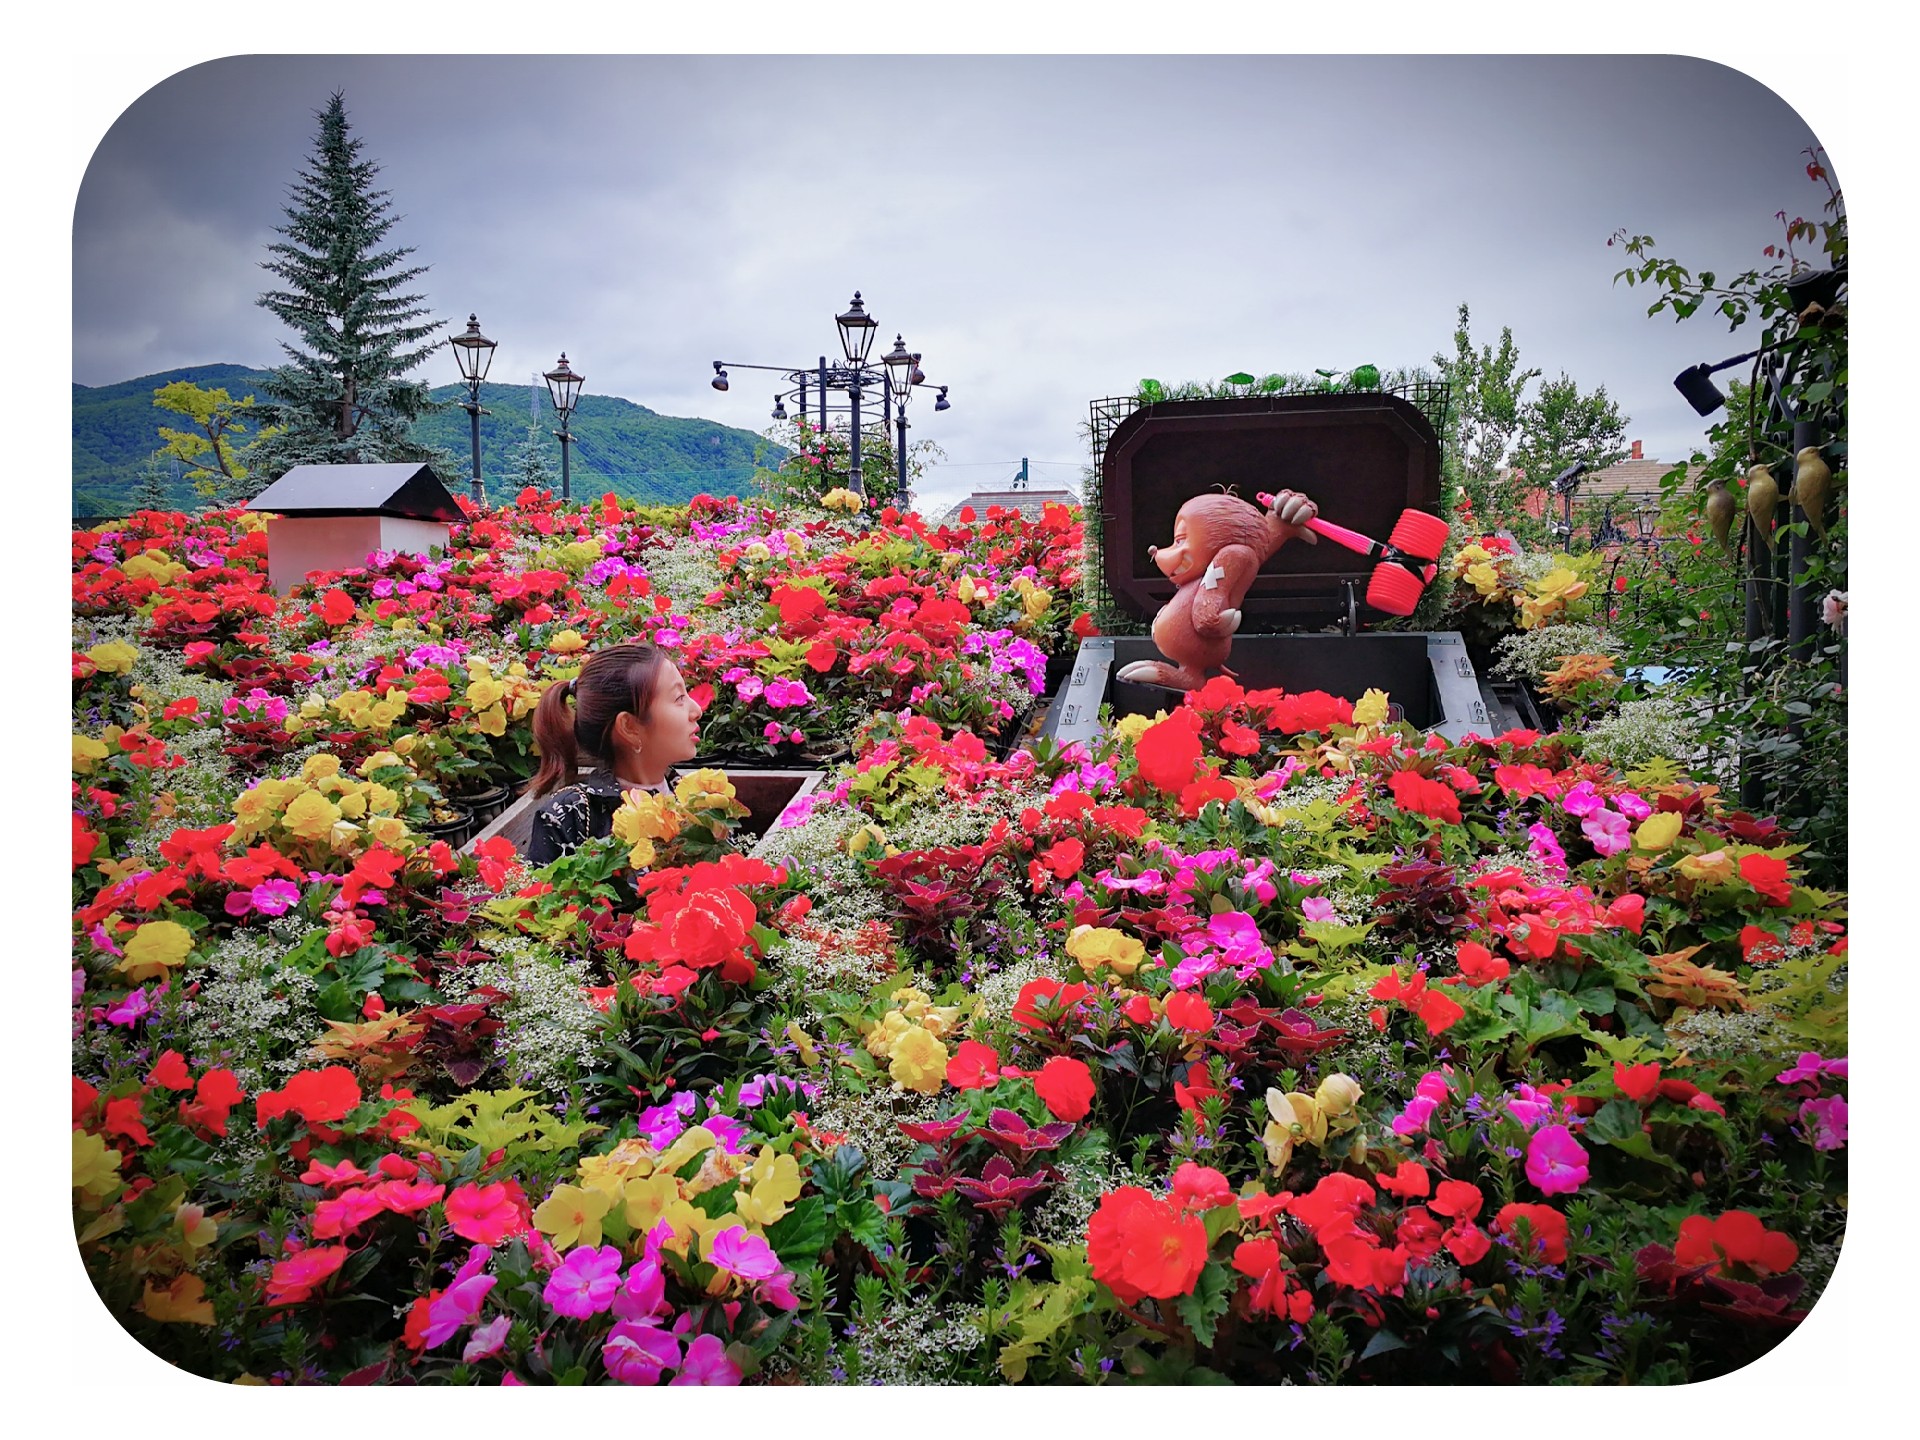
x=474, y=352
x=564, y=386
x=894, y=376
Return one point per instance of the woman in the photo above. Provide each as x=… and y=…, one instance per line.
x=629, y=709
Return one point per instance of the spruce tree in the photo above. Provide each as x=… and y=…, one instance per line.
x=342, y=397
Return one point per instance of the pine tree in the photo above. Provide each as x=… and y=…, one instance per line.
x=341, y=397
x=152, y=492
x=527, y=464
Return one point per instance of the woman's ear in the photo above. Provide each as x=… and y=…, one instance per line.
x=626, y=730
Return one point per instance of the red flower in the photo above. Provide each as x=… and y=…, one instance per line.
x=1065, y=1087
x=1639, y=1083
x=300, y=1274
x=125, y=1121
x=487, y=1214
x=1083, y=626
x=337, y=607
x=820, y=656
x=1768, y=876
x=1139, y=1246
x=213, y=1099
x=1055, y=997
x=1457, y=1199
x=1417, y=795
x=1409, y=1181
x=1480, y=966
x=1438, y=1010
x=1064, y=859
x=1210, y=786
x=1198, y=1085
x=1736, y=1238
x=1169, y=753
x=1185, y=1010
x=1200, y=1187
x=319, y=1097
x=1761, y=947
x=1467, y=1243
x=171, y=1071
x=973, y=1066
x=1548, y=1225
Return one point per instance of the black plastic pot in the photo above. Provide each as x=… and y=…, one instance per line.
x=455, y=832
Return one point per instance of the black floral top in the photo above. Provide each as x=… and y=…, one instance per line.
x=574, y=814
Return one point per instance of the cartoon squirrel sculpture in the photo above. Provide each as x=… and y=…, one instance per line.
x=1219, y=544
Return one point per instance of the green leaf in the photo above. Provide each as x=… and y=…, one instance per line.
x=1208, y=1302
x=803, y=1230
x=1239, y=377
x=1383, y=1342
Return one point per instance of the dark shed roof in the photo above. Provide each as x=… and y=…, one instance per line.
x=409, y=491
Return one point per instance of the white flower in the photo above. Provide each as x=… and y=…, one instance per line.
x=1833, y=609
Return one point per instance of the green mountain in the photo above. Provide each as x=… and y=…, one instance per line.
x=618, y=445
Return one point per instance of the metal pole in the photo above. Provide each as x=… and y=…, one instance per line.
x=900, y=421
x=853, y=468
x=473, y=411
x=823, y=397
x=566, y=468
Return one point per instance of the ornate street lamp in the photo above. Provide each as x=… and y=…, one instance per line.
x=564, y=386
x=902, y=365
x=856, y=332
x=474, y=353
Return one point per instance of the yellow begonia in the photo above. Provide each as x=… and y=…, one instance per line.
x=379, y=760
x=311, y=816
x=183, y=1301
x=966, y=590
x=96, y=1166
x=1035, y=602
x=1484, y=578
x=1095, y=946
x=768, y=1187
x=482, y=693
x=756, y=552
x=153, y=565
x=706, y=789
x=1293, y=1119
x=1657, y=831
x=1337, y=1095
x=919, y=1062
x=1713, y=868
x=156, y=947
x=1371, y=708
x=320, y=767
x=696, y=1141
x=1548, y=595
x=571, y=1216
x=1131, y=727
x=388, y=830
x=567, y=642
x=353, y=804
x=880, y=1039
x=87, y=752
x=113, y=657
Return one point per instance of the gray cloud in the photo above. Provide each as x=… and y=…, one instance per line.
x=1045, y=230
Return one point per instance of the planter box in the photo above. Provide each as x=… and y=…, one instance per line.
x=765, y=793
x=1426, y=673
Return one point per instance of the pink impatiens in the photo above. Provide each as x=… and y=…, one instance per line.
x=1555, y=1160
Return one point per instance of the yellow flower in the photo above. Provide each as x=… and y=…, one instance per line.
x=86, y=752
x=919, y=1061
x=880, y=1039
x=914, y=1003
x=311, y=816
x=648, y=1198
x=1713, y=868
x=1131, y=727
x=353, y=804
x=1485, y=579
x=1036, y=601
x=1467, y=556
x=1371, y=709
x=757, y=552
x=155, y=566
x=608, y=1174
x=706, y=789
x=644, y=818
x=696, y=1141
x=868, y=838
x=1657, y=831
x=1549, y=594
x=96, y=1167
x=352, y=706
x=1337, y=1095
x=571, y=1216
x=966, y=590
x=379, y=760
x=184, y=1301
x=1095, y=946
x=1293, y=1119
x=770, y=1185
x=387, y=830
x=382, y=714
x=156, y=947
x=567, y=642
x=320, y=767
x=113, y=657
x=492, y=721
x=482, y=693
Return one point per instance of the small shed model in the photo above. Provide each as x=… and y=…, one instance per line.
x=331, y=517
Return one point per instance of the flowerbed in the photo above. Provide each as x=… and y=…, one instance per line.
x=1265, y=1041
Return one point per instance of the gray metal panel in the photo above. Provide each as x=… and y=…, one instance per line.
x=1076, y=714
x=409, y=491
x=1458, y=687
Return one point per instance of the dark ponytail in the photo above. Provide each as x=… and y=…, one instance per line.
x=621, y=679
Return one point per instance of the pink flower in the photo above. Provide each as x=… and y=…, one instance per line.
x=585, y=1282
x=1632, y=806
x=485, y=1213
x=1413, y=1119
x=644, y=1295
x=636, y=1354
x=459, y=1306
x=777, y=1291
x=739, y=1252
x=274, y=897
x=1811, y=1067
x=1546, y=847
x=1826, y=1122
x=488, y=1340
x=1582, y=800
x=706, y=1363
x=1608, y=830
x=1317, y=907
x=1555, y=1161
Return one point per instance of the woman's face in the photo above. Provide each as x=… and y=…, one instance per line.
x=671, y=732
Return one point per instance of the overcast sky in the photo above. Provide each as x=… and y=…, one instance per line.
x=1044, y=230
